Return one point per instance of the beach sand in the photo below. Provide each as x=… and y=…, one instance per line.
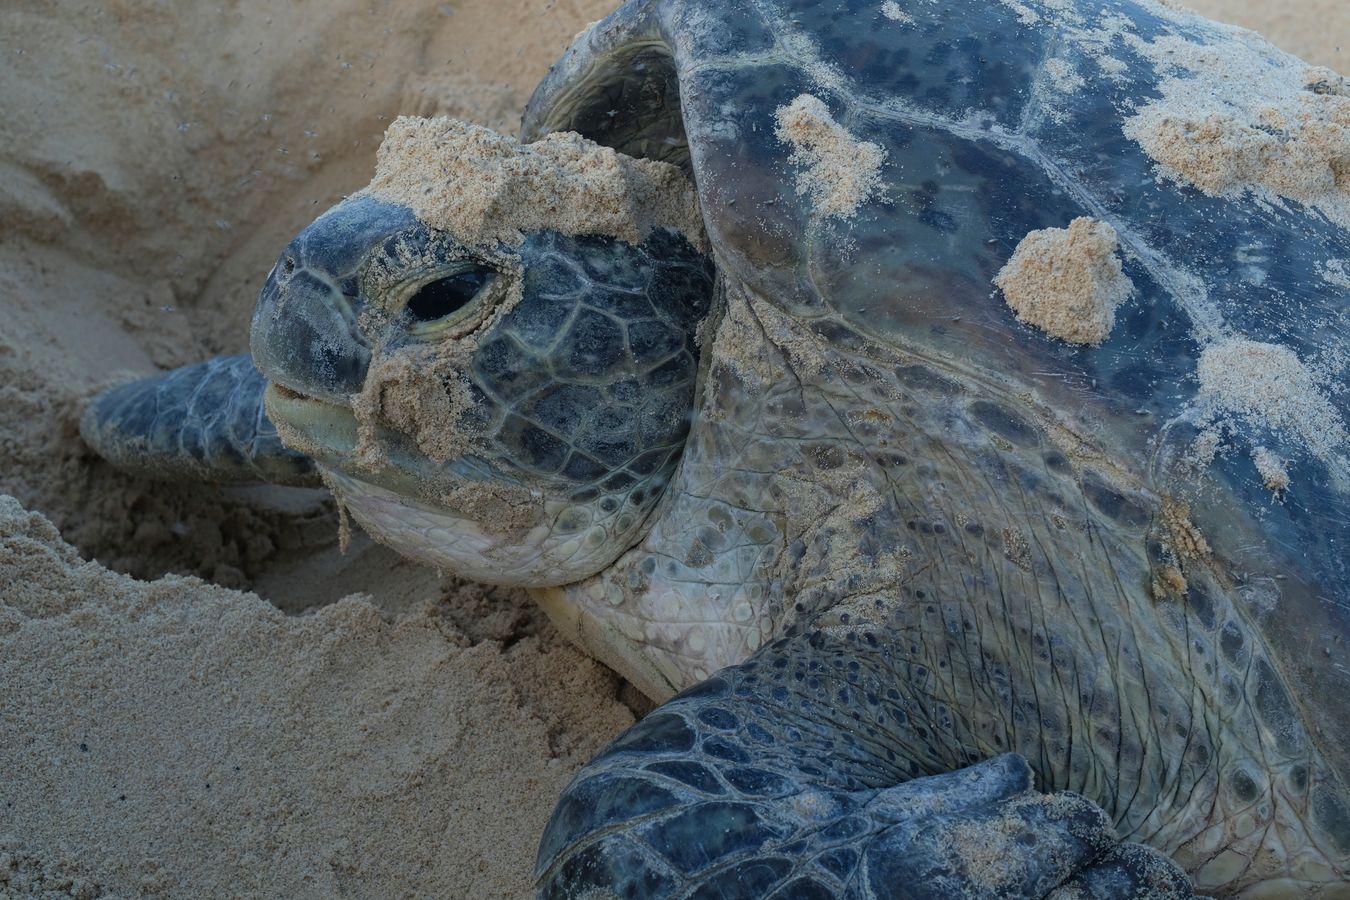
x=221, y=703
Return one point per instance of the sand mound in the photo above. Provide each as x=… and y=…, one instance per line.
x=245, y=751
x=409, y=739
x=838, y=172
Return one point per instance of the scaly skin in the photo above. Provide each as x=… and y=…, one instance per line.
x=201, y=422
x=989, y=593
x=790, y=773
x=578, y=393
x=1197, y=694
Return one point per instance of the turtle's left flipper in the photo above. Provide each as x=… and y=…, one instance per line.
x=791, y=775
x=204, y=422
x=1129, y=870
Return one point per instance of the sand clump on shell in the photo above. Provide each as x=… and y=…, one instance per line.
x=1067, y=281
x=1063, y=77
x=1246, y=118
x=485, y=188
x=1271, y=469
x=838, y=173
x=893, y=11
x=1336, y=273
x=1270, y=385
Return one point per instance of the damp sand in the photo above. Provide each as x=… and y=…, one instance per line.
x=837, y=172
x=394, y=731
x=223, y=704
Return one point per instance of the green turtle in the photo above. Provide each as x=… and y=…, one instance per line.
x=974, y=492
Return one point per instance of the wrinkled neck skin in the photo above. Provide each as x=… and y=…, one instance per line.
x=992, y=566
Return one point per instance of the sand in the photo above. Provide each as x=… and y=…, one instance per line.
x=1279, y=132
x=365, y=726
x=1316, y=30
x=836, y=171
x=486, y=188
x=1269, y=384
x=410, y=739
x=1067, y=281
x=1254, y=386
x=1271, y=469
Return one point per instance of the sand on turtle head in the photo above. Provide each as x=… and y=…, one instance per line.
x=486, y=188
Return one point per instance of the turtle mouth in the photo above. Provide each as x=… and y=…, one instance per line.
x=329, y=433
x=455, y=518
x=325, y=430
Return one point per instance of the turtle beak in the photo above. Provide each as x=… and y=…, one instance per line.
x=306, y=334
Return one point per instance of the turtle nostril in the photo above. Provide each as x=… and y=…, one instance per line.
x=287, y=265
x=444, y=296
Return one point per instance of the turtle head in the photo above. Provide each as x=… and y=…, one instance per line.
x=511, y=415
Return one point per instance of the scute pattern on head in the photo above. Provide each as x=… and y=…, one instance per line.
x=554, y=426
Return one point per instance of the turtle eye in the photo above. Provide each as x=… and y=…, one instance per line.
x=446, y=296
x=448, y=301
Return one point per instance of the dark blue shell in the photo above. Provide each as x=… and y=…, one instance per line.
x=974, y=161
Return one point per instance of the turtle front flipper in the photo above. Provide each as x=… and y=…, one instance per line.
x=795, y=774
x=203, y=422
